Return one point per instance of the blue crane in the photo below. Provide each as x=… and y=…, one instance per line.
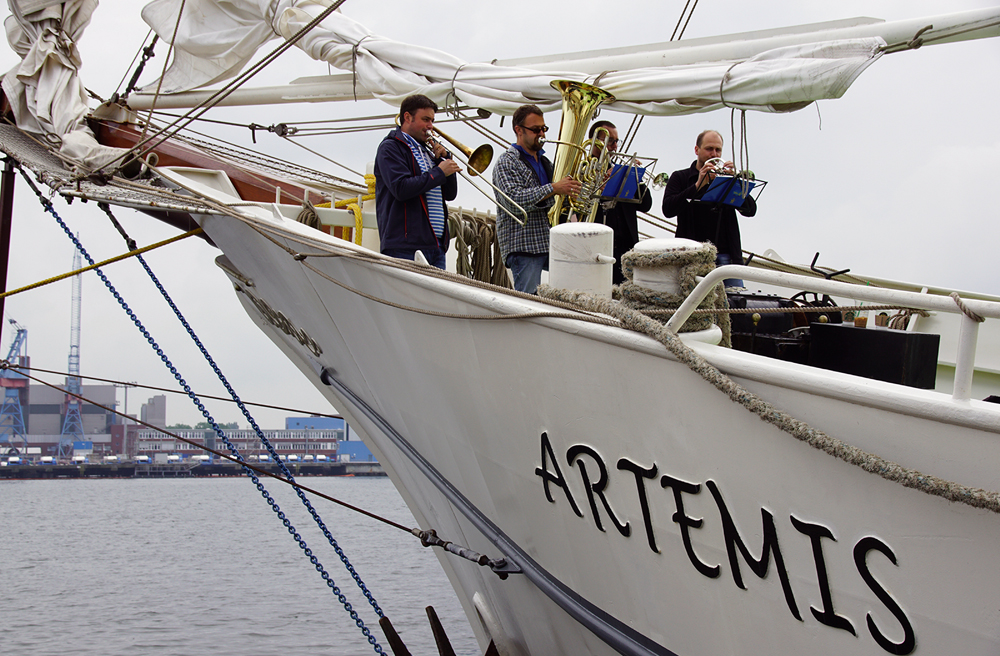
x=14, y=386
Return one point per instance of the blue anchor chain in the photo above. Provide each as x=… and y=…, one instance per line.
x=47, y=205
x=267, y=444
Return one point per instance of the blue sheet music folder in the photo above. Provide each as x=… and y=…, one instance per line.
x=728, y=190
x=623, y=183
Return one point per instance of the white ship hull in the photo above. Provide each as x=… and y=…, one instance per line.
x=508, y=419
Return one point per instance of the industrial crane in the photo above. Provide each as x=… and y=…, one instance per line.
x=15, y=386
x=72, y=428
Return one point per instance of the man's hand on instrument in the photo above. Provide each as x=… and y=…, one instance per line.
x=449, y=166
x=567, y=186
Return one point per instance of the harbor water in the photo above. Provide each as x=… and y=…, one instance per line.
x=198, y=566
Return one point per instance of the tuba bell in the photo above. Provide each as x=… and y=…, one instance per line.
x=580, y=101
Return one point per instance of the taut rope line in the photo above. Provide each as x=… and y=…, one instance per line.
x=117, y=258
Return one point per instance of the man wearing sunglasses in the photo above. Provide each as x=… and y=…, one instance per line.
x=524, y=173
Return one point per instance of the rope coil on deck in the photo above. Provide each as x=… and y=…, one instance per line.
x=691, y=264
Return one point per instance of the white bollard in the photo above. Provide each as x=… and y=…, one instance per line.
x=580, y=257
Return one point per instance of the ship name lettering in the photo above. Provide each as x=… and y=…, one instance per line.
x=281, y=322
x=596, y=477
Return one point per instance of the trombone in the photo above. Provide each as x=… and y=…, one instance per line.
x=476, y=162
x=478, y=159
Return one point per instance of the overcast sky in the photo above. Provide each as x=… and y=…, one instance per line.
x=892, y=180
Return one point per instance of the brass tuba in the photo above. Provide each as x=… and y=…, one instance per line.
x=580, y=101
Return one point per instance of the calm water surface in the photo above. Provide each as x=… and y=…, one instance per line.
x=199, y=566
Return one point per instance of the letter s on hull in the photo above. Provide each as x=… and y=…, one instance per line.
x=861, y=550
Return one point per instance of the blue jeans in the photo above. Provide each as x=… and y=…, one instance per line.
x=527, y=269
x=721, y=260
x=435, y=256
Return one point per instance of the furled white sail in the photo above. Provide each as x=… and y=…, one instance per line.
x=44, y=90
x=217, y=38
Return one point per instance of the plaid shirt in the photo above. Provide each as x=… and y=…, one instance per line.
x=519, y=181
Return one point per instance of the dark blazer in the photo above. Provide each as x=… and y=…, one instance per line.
x=623, y=220
x=712, y=222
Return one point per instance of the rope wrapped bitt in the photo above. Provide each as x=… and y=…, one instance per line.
x=633, y=319
x=691, y=264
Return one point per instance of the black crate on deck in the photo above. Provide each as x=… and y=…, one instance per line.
x=770, y=324
x=894, y=356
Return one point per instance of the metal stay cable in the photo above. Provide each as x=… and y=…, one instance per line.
x=260, y=433
x=145, y=145
x=322, y=156
x=144, y=51
x=631, y=134
x=4, y=364
x=221, y=434
x=125, y=383
x=241, y=158
x=428, y=538
x=166, y=61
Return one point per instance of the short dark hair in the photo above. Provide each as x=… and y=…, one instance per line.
x=597, y=126
x=523, y=112
x=702, y=136
x=411, y=104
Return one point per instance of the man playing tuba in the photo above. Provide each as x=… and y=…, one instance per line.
x=525, y=175
x=619, y=216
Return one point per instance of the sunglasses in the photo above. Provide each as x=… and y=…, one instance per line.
x=537, y=130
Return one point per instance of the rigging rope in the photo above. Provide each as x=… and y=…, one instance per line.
x=147, y=53
x=428, y=538
x=133, y=253
x=219, y=432
x=890, y=471
x=4, y=364
x=143, y=146
x=159, y=82
x=639, y=322
x=124, y=383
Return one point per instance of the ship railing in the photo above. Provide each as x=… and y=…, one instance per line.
x=968, y=332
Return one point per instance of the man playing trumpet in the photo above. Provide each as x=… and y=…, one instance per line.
x=714, y=222
x=413, y=184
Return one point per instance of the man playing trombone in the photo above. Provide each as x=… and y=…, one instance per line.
x=412, y=185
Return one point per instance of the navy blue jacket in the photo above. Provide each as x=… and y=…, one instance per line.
x=403, y=220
